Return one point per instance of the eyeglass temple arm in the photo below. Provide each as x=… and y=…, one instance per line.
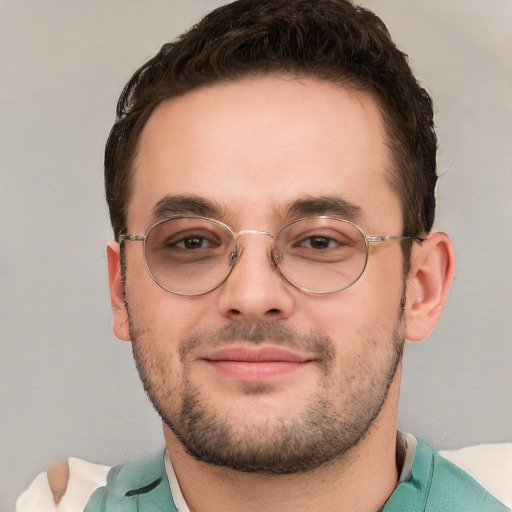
x=394, y=237
x=130, y=238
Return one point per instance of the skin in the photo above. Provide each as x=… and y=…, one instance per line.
x=58, y=476
x=252, y=148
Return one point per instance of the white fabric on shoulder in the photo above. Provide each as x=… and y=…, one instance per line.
x=38, y=497
x=489, y=464
x=84, y=479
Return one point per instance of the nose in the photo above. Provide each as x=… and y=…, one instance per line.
x=255, y=291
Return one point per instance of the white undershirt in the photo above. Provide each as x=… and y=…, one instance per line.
x=177, y=495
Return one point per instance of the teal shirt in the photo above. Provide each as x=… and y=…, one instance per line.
x=434, y=485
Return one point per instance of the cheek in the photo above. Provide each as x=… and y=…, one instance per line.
x=163, y=319
x=367, y=311
x=383, y=281
x=152, y=309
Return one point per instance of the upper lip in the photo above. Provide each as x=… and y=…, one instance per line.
x=258, y=354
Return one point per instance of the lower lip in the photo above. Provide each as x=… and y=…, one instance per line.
x=249, y=371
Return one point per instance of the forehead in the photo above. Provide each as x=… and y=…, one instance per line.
x=258, y=144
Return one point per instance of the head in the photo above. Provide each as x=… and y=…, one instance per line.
x=327, y=39
x=263, y=113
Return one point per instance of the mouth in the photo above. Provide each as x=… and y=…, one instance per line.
x=256, y=364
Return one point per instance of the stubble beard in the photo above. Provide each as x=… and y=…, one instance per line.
x=323, y=432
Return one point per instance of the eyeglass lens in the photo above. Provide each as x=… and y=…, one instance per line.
x=192, y=256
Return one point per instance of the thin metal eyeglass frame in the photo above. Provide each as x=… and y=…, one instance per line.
x=123, y=237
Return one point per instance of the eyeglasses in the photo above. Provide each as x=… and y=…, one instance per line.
x=193, y=255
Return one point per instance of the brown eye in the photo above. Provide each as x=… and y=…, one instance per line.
x=319, y=242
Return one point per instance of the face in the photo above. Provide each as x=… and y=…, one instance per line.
x=258, y=375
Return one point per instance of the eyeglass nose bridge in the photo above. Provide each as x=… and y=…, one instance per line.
x=254, y=232
x=237, y=253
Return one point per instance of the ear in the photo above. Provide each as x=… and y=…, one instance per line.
x=432, y=268
x=120, y=324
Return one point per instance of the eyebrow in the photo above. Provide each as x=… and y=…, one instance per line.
x=185, y=205
x=335, y=206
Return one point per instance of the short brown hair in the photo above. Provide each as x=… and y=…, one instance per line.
x=331, y=40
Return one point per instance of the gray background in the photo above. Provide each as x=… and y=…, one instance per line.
x=67, y=386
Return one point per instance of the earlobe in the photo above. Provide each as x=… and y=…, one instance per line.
x=120, y=324
x=432, y=269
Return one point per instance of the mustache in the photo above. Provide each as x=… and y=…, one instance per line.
x=270, y=332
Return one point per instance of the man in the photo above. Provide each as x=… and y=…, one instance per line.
x=270, y=179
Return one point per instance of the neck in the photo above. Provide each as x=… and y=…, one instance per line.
x=361, y=481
